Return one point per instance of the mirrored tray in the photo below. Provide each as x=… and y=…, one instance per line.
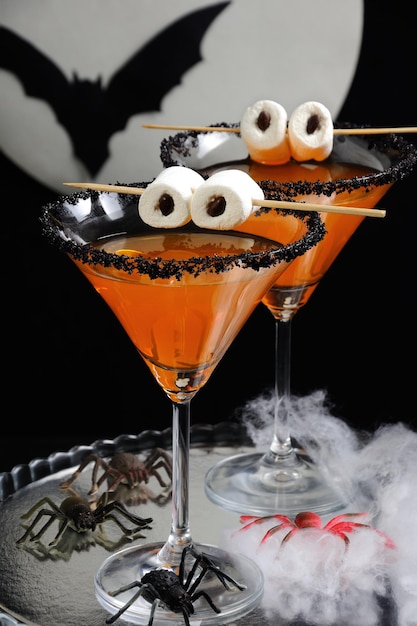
x=44, y=587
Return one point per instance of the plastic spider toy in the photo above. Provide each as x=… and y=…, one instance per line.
x=177, y=593
x=340, y=525
x=124, y=468
x=75, y=512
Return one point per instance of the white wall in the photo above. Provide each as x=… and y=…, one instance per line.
x=284, y=51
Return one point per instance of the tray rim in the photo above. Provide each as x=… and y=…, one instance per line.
x=201, y=435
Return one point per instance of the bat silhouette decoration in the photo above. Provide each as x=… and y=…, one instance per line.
x=91, y=113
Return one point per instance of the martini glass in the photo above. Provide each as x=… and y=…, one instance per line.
x=361, y=169
x=182, y=295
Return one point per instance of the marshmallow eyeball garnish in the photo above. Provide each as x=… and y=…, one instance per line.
x=310, y=132
x=263, y=128
x=166, y=202
x=224, y=200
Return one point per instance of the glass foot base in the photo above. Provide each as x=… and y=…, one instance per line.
x=131, y=564
x=242, y=485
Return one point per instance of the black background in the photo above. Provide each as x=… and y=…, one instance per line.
x=71, y=376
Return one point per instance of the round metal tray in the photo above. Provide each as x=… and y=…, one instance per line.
x=44, y=587
x=49, y=587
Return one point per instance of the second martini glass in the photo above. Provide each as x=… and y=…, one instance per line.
x=182, y=296
x=358, y=173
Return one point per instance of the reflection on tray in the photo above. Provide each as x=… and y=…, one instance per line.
x=126, y=468
x=208, y=435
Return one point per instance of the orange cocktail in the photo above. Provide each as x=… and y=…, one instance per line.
x=182, y=294
x=183, y=324
x=358, y=172
x=294, y=287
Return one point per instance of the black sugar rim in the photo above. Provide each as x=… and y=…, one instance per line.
x=158, y=268
x=392, y=142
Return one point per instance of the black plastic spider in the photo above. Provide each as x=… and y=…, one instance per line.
x=76, y=512
x=174, y=592
x=125, y=468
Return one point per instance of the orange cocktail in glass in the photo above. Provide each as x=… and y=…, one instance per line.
x=294, y=287
x=182, y=324
x=358, y=173
x=182, y=295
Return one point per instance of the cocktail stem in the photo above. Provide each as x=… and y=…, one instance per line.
x=281, y=439
x=180, y=536
x=281, y=453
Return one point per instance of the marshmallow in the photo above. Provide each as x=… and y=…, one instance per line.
x=224, y=200
x=263, y=128
x=166, y=202
x=310, y=132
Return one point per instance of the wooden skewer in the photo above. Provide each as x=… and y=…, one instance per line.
x=198, y=129
x=279, y=204
x=399, y=130
x=321, y=208
x=134, y=191
x=336, y=131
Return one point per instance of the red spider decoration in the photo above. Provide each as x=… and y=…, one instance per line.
x=340, y=525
